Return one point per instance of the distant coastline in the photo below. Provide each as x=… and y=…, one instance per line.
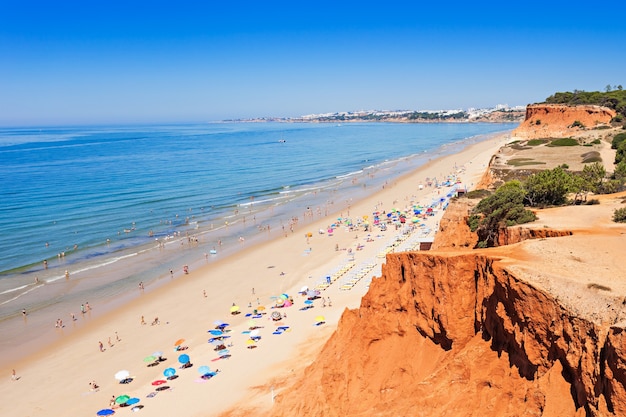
x=500, y=114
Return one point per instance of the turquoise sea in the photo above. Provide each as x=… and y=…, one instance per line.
x=114, y=206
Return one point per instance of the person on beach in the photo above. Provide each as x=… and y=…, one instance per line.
x=330, y=303
x=87, y=308
x=93, y=386
x=24, y=312
x=101, y=346
x=13, y=375
x=82, y=308
x=67, y=274
x=142, y=320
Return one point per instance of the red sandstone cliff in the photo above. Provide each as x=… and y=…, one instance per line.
x=460, y=333
x=556, y=120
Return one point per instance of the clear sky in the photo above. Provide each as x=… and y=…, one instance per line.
x=95, y=62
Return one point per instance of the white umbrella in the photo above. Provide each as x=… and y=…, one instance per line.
x=121, y=375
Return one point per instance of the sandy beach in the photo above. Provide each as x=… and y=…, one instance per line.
x=57, y=379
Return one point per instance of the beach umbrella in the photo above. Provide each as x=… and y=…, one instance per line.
x=254, y=333
x=157, y=354
x=284, y=296
x=132, y=401
x=169, y=372
x=308, y=302
x=121, y=375
x=105, y=412
x=304, y=289
x=149, y=359
x=320, y=319
x=204, y=370
x=183, y=358
x=122, y=399
x=276, y=315
x=234, y=309
x=249, y=343
x=159, y=382
x=260, y=308
x=179, y=342
x=216, y=332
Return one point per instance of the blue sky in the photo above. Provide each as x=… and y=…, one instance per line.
x=110, y=62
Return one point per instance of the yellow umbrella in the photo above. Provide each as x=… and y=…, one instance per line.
x=250, y=343
x=319, y=319
x=260, y=308
x=234, y=309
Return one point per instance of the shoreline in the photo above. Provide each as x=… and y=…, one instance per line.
x=226, y=281
x=112, y=286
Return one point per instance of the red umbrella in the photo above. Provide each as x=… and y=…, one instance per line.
x=159, y=382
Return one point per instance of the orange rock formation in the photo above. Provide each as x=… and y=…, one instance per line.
x=458, y=333
x=557, y=120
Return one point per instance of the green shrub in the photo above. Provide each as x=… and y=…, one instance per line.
x=619, y=215
x=577, y=123
x=619, y=138
x=536, y=142
x=564, y=142
x=596, y=142
x=473, y=222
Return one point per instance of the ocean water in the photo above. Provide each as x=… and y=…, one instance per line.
x=114, y=206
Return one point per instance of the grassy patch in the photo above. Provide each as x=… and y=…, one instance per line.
x=563, y=142
x=519, y=147
x=518, y=162
x=478, y=194
x=536, y=142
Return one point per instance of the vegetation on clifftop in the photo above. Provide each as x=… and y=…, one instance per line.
x=613, y=98
x=507, y=206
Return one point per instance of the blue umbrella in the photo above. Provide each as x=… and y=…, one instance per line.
x=216, y=332
x=132, y=401
x=308, y=302
x=183, y=358
x=204, y=370
x=169, y=372
x=105, y=412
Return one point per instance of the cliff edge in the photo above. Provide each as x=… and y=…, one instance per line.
x=559, y=120
x=532, y=328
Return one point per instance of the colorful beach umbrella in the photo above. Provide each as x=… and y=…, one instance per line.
x=204, y=370
x=122, y=399
x=183, y=358
x=234, y=309
x=159, y=382
x=132, y=401
x=320, y=319
x=168, y=372
x=149, y=359
x=179, y=342
x=216, y=332
x=105, y=412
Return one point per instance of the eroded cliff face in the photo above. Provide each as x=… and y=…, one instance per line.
x=557, y=120
x=459, y=335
